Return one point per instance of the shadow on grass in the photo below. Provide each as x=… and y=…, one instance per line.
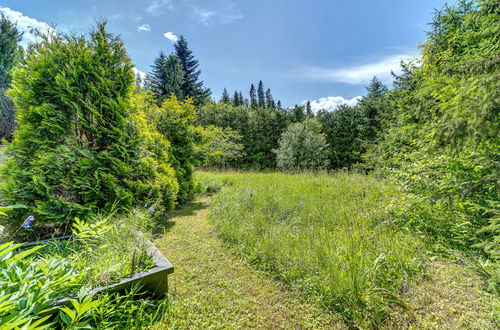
x=165, y=223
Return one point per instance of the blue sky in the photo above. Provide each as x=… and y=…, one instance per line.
x=319, y=50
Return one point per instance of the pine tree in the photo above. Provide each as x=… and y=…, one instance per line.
x=269, y=99
x=225, y=97
x=309, y=112
x=192, y=86
x=253, y=97
x=10, y=53
x=260, y=95
x=278, y=105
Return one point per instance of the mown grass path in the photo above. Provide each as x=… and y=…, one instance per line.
x=214, y=288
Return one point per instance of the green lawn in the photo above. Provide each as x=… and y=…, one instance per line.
x=306, y=251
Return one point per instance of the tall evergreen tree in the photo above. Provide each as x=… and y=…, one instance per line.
x=253, y=96
x=372, y=106
x=166, y=78
x=193, y=86
x=225, y=98
x=269, y=99
x=235, y=100
x=278, y=105
x=243, y=101
x=309, y=112
x=261, y=98
x=10, y=53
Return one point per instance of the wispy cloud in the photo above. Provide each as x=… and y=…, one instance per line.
x=331, y=102
x=358, y=74
x=26, y=24
x=144, y=27
x=228, y=13
x=171, y=36
x=157, y=7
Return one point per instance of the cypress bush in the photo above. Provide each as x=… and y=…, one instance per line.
x=79, y=148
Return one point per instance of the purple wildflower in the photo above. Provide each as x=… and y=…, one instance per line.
x=28, y=221
x=251, y=195
x=300, y=203
x=244, y=199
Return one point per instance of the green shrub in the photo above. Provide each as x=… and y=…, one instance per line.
x=303, y=147
x=77, y=150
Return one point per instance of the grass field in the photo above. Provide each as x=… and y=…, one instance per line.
x=334, y=239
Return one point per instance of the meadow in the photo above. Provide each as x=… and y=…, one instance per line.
x=338, y=239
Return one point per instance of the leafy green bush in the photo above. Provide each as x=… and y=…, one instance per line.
x=333, y=237
x=303, y=147
x=77, y=150
x=219, y=147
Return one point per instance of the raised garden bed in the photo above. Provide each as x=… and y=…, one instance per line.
x=153, y=280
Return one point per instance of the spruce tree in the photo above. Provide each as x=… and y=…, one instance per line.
x=278, y=105
x=253, y=97
x=236, y=99
x=192, y=86
x=243, y=101
x=260, y=95
x=225, y=98
x=269, y=99
x=166, y=78
x=10, y=53
x=309, y=112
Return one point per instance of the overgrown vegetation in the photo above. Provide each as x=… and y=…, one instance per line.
x=331, y=236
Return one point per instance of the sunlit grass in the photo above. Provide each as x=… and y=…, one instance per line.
x=332, y=236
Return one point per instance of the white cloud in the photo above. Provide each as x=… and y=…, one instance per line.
x=26, y=24
x=139, y=73
x=359, y=74
x=331, y=102
x=157, y=7
x=171, y=36
x=144, y=27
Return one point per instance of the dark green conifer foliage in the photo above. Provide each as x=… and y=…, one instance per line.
x=269, y=99
x=225, y=98
x=261, y=97
x=236, y=99
x=278, y=105
x=166, y=78
x=298, y=113
x=193, y=86
x=253, y=97
x=75, y=151
x=309, y=112
x=10, y=53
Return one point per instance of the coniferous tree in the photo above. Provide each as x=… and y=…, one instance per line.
x=269, y=99
x=261, y=98
x=243, y=101
x=278, y=105
x=372, y=106
x=235, y=99
x=167, y=78
x=225, y=97
x=77, y=150
x=309, y=112
x=192, y=86
x=253, y=96
x=10, y=53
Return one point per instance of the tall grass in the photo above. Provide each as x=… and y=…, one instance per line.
x=332, y=236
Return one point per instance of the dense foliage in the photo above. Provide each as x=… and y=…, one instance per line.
x=441, y=138
x=303, y=147
x=83, y=145
x=10, y=54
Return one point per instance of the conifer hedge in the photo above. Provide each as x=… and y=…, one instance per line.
x=83, y=144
